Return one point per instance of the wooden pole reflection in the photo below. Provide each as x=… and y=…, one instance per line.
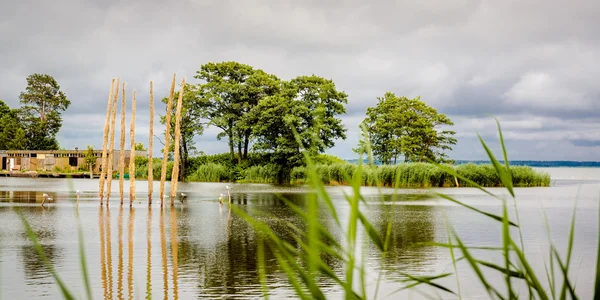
x=174, y=250
x=130, y=248
x=102, y=249
x=163, y=247
x=109, y=253
x=120, y=266
x=149, y=256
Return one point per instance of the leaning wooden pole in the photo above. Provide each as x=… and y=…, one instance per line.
x=122, y=146
x=111, y=150
x=175, y=173
x=163, y=173
x=150, y=146
x=104, y=142
x=132, y=155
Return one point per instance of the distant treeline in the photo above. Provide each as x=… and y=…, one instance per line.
x=529, y=163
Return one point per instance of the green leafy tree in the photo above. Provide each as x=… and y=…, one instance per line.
x=139, y=147
x=192, y=123
x=12, y=133
x=42, y=105
x=229, y=94
x=222, y=94
x=90, y=159
x=399, y=127
x=309, y=104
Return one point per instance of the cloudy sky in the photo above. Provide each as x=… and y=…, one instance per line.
x=534, y=64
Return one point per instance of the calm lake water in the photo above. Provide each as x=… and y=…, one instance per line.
x=201, y=250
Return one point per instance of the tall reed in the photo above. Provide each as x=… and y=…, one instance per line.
x=175, y=174
x=163, y=173
x=132, y=155
x=105, y=141
x=122, y=145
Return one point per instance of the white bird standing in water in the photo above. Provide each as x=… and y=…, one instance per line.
x=228, y=192
x=46, y=197
x=78, y=194
x=183, y=196
x=221, y=198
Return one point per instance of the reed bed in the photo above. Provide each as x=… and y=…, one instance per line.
x=422, y=175
x=210, y=172
x=262, y=174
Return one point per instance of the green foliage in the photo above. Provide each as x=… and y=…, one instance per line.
x=230, y=92
x=262, y=174
x=90, y=158
x=210, y=172
x=42, y=105
x=328, y=159
x=139, y=147
x=12, y=133
x=141, y=167
x=311, y=106
x=399, y=127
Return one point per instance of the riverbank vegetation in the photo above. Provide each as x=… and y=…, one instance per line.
x=271, y=125
x=335, y=171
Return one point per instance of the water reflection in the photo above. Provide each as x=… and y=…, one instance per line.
x=410, y=224
x=149, y=255
x=41, y=222
x=174, y=251
x=206, y=250
x=30, y=197
x=163, y=248
x=130, y=237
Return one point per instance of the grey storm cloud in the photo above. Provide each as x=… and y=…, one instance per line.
x=531, y=63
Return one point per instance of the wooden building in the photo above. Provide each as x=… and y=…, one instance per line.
x=56, y=160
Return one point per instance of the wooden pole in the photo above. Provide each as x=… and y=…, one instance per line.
x=163, y=173
x=150, y=146
x=175, y=173
x=132, y=156
x=105, y=141
x=122, y=148
x=111, y=150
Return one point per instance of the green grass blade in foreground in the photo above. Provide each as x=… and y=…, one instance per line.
x=502, y=174
x=314, y=179
x=82, y=259
x=495, y=217
x=565, y=267
x=475, y=266
x=38, y=247
x=532, y=279
x=260, y=253
x=550, y=273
